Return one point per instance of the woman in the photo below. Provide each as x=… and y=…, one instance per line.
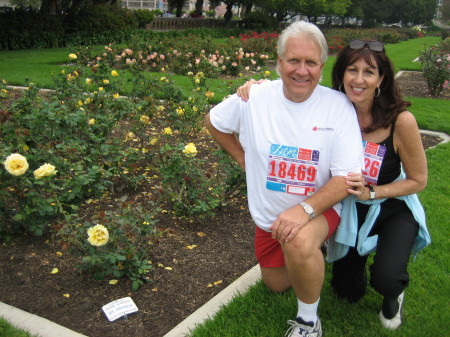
x=383, y=214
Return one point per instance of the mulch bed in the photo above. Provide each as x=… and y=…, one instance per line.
x=224, y=252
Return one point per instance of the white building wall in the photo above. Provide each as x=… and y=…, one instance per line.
x=5, y=3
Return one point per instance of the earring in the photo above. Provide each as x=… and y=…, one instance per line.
x=377, y=93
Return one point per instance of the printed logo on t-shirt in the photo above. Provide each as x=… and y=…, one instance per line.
x=373, y=158
x=316, y=128
x=292, y=169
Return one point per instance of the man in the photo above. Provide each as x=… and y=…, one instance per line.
x=297, y=142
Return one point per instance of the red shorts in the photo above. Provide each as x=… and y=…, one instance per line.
x=268, y=251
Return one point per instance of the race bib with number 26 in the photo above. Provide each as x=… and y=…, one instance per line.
x=373, y=157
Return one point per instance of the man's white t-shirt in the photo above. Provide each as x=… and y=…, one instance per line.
x=291, y=149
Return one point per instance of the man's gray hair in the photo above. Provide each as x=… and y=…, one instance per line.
x=299, y=28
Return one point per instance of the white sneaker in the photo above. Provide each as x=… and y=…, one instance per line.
x=298, y=329
x=395, y=321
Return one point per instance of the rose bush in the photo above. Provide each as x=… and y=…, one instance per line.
x=436, y=66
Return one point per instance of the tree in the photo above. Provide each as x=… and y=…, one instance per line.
x=60, y=7
x=445, y=10
x=176, y=5
x=26, y=3
x=281, y=9
x=416, y=12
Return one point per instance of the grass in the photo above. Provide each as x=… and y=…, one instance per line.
x=431, y=114
x=8, y=330
x=262, y=313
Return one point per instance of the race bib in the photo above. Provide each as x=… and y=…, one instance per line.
x=292, y=169
x=373, y=157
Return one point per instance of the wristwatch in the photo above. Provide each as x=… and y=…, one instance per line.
x=371, y=192
x=308, y=209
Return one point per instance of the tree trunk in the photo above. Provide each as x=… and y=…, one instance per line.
x=180, y=4
x=49, y=7
x=247, y=10
x=228, y=14
x=199, y=7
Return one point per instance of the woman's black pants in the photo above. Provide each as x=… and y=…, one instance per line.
x=396, y=229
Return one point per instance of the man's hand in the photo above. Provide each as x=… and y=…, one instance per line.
x=288, y=223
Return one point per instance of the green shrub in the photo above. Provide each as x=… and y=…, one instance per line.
x=145, y=16
x=260, y=21
x=436, y=67
x=100, y=18
x=123, y=247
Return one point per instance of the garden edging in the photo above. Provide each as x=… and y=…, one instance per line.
x=45, y=328
x=34, y=324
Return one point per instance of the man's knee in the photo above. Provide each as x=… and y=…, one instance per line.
x=276, y=279
x=303, y=247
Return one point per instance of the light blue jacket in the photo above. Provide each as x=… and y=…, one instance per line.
x=347, y=233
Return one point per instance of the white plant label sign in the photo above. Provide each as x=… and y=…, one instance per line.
x=119, y=308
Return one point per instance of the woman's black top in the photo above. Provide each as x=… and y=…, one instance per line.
x=391, y=165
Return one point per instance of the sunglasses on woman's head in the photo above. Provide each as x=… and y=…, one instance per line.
x=372, y=45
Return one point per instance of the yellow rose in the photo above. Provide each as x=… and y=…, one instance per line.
x=145, y=119
x=88, y=81
x=167, y=131
x=100, y=89
x=116, y=95
x=45, y=170
x=105, y=81
x=180, y=111
x=209, y=94
x=190, y=150
x=98, y=235
x=114, y=73
x=91, y=121
x=72, y=56
x=153, y=141
x=16, y=164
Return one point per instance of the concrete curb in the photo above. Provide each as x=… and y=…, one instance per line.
x=34, y=324
x=208, y=310
x=444, y=136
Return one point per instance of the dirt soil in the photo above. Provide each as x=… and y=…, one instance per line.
x=224, y=252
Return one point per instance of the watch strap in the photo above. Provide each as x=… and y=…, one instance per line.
x=308, y=209
x=372, y=194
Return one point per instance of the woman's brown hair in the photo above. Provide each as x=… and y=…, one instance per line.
x=389, y=104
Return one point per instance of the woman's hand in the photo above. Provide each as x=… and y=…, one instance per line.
x=244, y=90
x=357, y=186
